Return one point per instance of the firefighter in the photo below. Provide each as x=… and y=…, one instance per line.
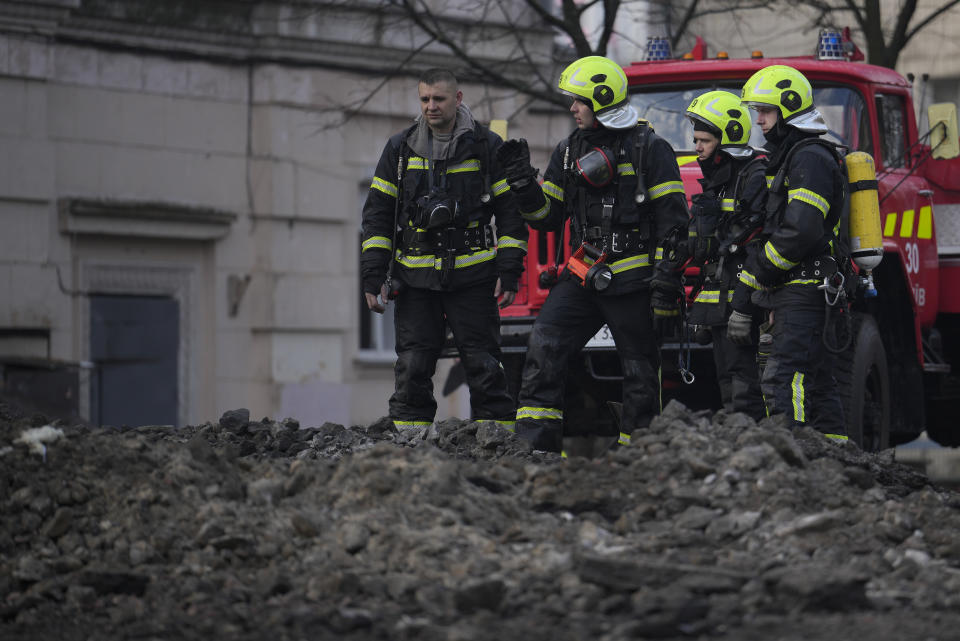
x=619, y=185
x=429, y=209
x=802, y=247
x=725, y=222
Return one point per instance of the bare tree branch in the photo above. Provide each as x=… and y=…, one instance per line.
x=857, y=15
x=883, y=46
x=353, y=111
x=898, y=39
x=565, y=18
x=546, y=16
x=571, y=26
x=703, y=10
x=688, y=15
x=923, y=23
x=610, y=10
x=522, y=44
x=428, y=23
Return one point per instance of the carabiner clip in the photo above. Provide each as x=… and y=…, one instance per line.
x=831, y=290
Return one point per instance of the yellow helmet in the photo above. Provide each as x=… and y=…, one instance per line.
x=789, y=91
x=601, y=83
x=726, y=117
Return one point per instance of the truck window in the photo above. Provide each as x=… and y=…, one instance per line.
x=845, y=113
x=892, y=121
x=843, y=109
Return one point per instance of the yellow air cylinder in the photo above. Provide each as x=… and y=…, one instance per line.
x=866, y=239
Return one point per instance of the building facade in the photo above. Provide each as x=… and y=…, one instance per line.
x=180, y=200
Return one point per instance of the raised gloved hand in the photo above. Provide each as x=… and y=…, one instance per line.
x=514, y=157
x=739, y=328
x=666, y=292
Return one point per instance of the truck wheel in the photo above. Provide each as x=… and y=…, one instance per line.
x=868, y=404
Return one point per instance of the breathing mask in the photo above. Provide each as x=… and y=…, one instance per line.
x=596, y=167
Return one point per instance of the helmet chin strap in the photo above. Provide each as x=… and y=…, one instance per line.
x=778, y=132
x=596, y=123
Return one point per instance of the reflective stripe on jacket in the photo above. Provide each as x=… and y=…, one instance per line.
x=548, y=205
x=464, y=175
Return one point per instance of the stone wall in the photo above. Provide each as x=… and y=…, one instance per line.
x=215, y=152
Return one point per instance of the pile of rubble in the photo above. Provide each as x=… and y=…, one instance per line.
x=707, y=525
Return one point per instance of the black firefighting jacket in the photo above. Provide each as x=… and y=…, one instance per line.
x=805, y=197
x=466, y=252
x=726, y=220
x=637, y=231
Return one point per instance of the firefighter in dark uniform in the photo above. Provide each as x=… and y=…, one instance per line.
x=725, y=220
x=805, y=197
x=619, y=185
x=436, y=188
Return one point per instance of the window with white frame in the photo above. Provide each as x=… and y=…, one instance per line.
x=377, y=333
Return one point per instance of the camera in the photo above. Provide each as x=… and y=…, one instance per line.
x=436, y=209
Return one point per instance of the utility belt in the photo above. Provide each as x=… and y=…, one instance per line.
x=455, y=239
x=618, y=242
x=725, y=270
x=816, y=268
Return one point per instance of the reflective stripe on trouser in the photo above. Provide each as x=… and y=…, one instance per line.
x=406, y=425
x=799, y=376
x=738, y=375
x=420, y=318
x=542, y=426
x=569, y=317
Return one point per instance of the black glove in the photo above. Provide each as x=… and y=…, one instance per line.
x=706, y=204
x=509, y=282
x=765, y=273
x=741, y=300
x=740, y=328
x=372, y=283
x=705, y=215
x=514, y=157
x=736, y=229
x=666, y=292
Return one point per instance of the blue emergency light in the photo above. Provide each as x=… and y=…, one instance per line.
x=658, y=48
x=830, y=46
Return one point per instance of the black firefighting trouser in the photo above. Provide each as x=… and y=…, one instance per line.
x=737, y=374
x=799, y=379
x=569, y=317
x=420, y=318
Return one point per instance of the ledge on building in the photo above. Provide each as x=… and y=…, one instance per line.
x=375, y=358
x=82, y=216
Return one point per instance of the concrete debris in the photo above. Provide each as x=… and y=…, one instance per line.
x=707, y=526
x=36, y=438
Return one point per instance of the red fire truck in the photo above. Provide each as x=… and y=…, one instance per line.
x=907, y=335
